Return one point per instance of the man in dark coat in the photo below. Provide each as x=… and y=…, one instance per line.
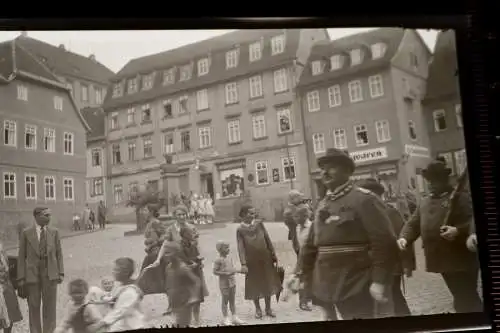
x=351, y=247
x=101, y=215
x=295, y=201
x=445, y=247
x=408, y=261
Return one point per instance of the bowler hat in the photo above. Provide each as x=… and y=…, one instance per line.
x=436, y=169
x=337, y=156
x=373, y=185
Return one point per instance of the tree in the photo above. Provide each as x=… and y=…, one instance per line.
x=149, y=198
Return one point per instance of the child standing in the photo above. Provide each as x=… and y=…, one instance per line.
x=224, y=269
x=81, y=315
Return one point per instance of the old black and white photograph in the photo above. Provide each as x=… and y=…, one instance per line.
x=232, y=177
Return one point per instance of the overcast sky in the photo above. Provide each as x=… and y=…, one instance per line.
x=115, y=48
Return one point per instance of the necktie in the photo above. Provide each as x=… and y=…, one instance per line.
x=43, y=242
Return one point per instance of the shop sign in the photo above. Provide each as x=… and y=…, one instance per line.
x=417, y=151
x=369, y=155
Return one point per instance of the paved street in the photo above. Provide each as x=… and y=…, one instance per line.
x=90, y=257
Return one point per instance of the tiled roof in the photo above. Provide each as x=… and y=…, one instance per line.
x=215, y=49
x=64, y=62
x=442, y=79
x=95, y=119
x=391, y=37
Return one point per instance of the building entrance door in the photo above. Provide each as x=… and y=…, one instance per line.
x=207, y=184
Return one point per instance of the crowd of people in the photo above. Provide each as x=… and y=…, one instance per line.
x=87, y=219
x=353, y=252
x=200, y=207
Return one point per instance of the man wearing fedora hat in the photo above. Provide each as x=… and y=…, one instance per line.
x=445, y=247
x=351, y=248
x=407, y=264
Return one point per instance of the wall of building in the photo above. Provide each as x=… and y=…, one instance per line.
x=94, y=172
x=76, y=84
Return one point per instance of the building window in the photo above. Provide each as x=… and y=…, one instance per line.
x=49, y=140
x=361, y=135
x=113, y=121
x=355, y=57
x=316, y=67
x=232, y=182
x=231, y=93
x=30, y=137
x=203, y=66
x=334, y=96
x=280, y=80
x=185, y=141
x=232, y=58
x=355, y=91
x=131, y=151
x=30, y=186
x=448, y=157
x=168, y=143
x=9, y=133
x=318, y=143
x=259, y=126
x=378, y=50
x=336, y=62
x=255, y=51
x=117, y=90
x=458, y=115
x=133, y=86
x=22, y=92
x=284, y=121
x=383, y=131
x=376, y=86
x=412, y=132
x=147, y=146
x=183, y=105
x=262, y=172
x=97, y=187
x=233, y=131
x=167, y=109
x=96, y=157
x=117, y=157
x=146, y=113
x=118, y=193
x=339, y=138
x=460, y=160
x=69, y=191
x=202, y=99
x=185, y=73
x=255, y=83
x=205, y=137
x=131, y=116
x=9, y=185
x=169, y=76
x=278, y=44
x=68, y=143
x=58, y=103
x=313, y=101
x=148, y=81
x=439, y=120
x=50, y=187
x=133, y=189
x=85, y=93
x=98, y=96
x=288, y=165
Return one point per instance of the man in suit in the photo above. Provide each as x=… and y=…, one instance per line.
x=40, y=269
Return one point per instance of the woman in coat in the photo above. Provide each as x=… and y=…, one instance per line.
x=9, y=306
x=258, y=261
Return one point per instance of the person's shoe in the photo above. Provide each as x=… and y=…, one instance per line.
x=227, y=321
x=270, y=313
x=305, y=307
x=237, y=321
x=258, y=314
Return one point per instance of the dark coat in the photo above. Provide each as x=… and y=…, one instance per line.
x=354, y=217
x=442, y=255
x=408, y=259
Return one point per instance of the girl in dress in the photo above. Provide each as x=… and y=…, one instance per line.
x=202, y=209
x=209, y=208
x=9, y=306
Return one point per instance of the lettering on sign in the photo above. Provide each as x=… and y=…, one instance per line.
x=417, y=151
x=369, y=155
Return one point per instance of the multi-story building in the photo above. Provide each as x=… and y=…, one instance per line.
x=442, y=104
x=86, y=77
x=223, y=108
x=96, y=157
x=43, y=142
x=362, y=93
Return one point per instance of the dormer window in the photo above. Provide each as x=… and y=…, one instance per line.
x=278, y=44
x=185, y=72
x=117, y=90
x=148, y=81
x=232, y=58
x=203, y=66
x=355, y=57
x=378, y=50
x=169, y=76
x=317, y=67
x=132, y=86
x=336, y=62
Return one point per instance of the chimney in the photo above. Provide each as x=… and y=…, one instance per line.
x=92, y=57
x=24, y=33
x=61, y=46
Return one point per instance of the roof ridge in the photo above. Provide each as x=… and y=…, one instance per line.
x=56, y=79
